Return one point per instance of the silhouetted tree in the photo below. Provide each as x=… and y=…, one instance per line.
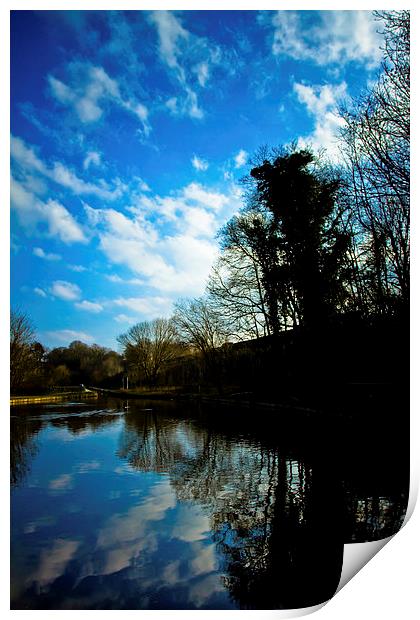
x=236, y=292
x=376, y=144
x=294, y=225
x=252, y=237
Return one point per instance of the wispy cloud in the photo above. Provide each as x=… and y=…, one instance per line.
x=189, y=59
x=77, y=268
x=145, y=307
x=34, y=214
x=40, y=292
x=62, y=483
x=92, y=91
x=334, y=37
x=241, y=158
x=167, y=240
x=321, y=102
x=118, y=280
x=67, y=335
x=89, y=306
x=199, y=164
x=46, y=255
x=27, y=160
x=93, y=158
x=124, y=318
x=65, y=290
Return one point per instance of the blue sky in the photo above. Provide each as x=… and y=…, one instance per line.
x=129, y=134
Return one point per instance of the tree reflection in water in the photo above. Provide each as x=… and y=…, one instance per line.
x=25, y=428
x=280, y=494
x=275, y=519
x=22, y=448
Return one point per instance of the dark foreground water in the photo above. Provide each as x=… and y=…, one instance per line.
x=134, y=505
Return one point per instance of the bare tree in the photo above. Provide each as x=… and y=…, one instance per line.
x=148, y=346
x=22, y=338
x=376, y=143
x=236, y=292
x=200, y=325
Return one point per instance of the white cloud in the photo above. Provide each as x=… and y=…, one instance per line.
x=200, y=196
x=77, y=268
x=145, y=307
x=124, y=318
x=26, y=156
x=199, y=222
x=167, y=240
x=92, y=158
x=62, y=224
x=62, y=483
x=172, y=105
x=91, y=91
x=114, y=278
x=118, y=280
x=33, y=212
x=171, y=33
x=46, y=255
x=65, y=290
x=241, y=159
x=40, y=292
x=337, y=37
x=87, y=466
x=27, y=160
x=89, y=306
x=60, y=91
x=321, y=102
x=67, y=336
x=142, y=185
x=67, y=178
x=203, y=73
x=189, y=59
x=199, y=164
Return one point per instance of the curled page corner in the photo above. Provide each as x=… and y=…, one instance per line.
x=356, y=556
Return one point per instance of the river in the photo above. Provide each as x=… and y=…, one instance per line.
x=159, y=505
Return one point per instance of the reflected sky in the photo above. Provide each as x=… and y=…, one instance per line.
x=160, y=509
x=86, y=517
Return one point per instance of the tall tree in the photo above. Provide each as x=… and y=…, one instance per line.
x=302, y=244
x=376, y=144
x=235, y=286
x=253, y=235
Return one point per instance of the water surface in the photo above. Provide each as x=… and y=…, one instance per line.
x=135, y=505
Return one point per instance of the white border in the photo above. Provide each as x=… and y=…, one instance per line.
x=387, y=586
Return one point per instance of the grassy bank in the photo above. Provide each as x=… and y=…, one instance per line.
x=49, y=398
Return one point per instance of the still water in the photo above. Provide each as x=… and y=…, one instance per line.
x=136, y=505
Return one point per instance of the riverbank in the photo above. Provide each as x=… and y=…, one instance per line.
x=348, y=398
x=50, y=398
x=228, y=398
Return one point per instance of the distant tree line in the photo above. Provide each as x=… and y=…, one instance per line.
x=316, y=245
x=33, y=368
